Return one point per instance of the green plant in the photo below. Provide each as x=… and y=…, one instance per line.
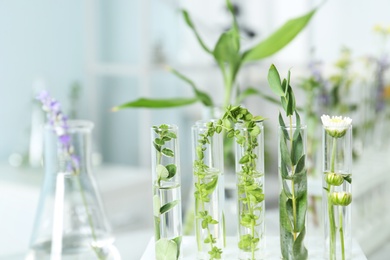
x=230, y=59
x=165, y=248
x=292, y=170
x=250, y=192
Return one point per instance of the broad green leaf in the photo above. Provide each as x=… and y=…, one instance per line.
x=284, y=171
x=286, y=189
x=274, y=81
x=286, y=244
x=201, y=95
x=299, y=250
x=227, y=48
x=167, y=152
x=162, y=172
x=171, y=169
x=283, y=218
x=156, y=103
x=168, y=206
x=166, y=249
x=190, y=24
x=278, y=39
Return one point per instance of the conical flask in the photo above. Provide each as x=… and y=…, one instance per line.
x=70, y=222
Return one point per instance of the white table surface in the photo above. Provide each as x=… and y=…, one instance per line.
x=313, y=244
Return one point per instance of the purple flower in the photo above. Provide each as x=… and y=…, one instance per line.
x=59, y=122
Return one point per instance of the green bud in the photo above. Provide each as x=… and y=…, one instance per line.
x=336, y=132
x=334, y=179
x=341, y=198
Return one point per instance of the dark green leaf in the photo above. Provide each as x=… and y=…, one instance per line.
x=300, y=165
x=284, y=152
x=167, y=152
x=278, y=39
x=283, y=217
x=168, y=206
x=286, y=244
x=290, y=102
x=171, y=169
x=301, y=212
x=290, y=212
x=284, y=171
x=297, y=150
x=283, y=127
x=347, y=177
x=274, y=81
x=286, y=189
x=299, y=250
x=156, y=103
x=300, y=184
x=189, y=22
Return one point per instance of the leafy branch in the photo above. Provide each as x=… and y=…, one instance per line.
x=229, y=57
x=165, y=248
x=293, y=197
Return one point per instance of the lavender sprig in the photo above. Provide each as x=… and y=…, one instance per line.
x=59, y=122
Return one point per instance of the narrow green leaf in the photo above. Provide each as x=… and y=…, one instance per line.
x=210, y=186
x=286, y=189
x=284, y=152
x=297, y=124
x=300, y=184
x=190, y=24
x=156, y=103
x=284, y=171
x=291, y=102
x=286, y=244
x=278, y=39
x=301, y=212
x=157, y=234
x=251, y=92
x=168, y=206
x=166, y=249
x=283, y=218
x=347, y=177
x=283, y=126
x=274, y=81
x=301, y=164
x=297, y=150
x=201, y=95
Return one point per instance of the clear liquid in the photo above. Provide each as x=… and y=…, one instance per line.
x=75, y=247
x=167, y=212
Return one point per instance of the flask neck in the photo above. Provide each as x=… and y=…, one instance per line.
x=69, y=153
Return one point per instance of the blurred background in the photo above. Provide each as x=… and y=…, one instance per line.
x=93, y=55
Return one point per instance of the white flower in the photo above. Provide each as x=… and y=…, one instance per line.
x=336, y=126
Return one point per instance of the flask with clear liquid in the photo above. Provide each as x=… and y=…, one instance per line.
x=70, y=222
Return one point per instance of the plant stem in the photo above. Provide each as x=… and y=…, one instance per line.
x=332, y=224
x=294, y=203
x=90, y=221
x=341, y=232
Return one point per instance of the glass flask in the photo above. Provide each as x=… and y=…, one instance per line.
x=70, y=222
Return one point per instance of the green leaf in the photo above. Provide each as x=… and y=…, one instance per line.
x=202, y=96
x=171, y=169
x=190, y=24
x=286, y=189
x=284, y=171
x=283, y=217
x=283, y=126
x=297, y=150
x=251, y=92
x=210, y=186
x=178, y=240
x=166, y=249
x=244, y=159
x=167, y=152
x=227, y=48
x=301, y=212
x=347, y=177
x=286, y=244
x=291, y=102
x=284, y=152
x=298, y=125
x=156, y=103
x=300, y=165
x=157, y=234
x=274, y=81
x=278, y=39
x=300, y=184
x=162, y=172
x=168, y=206
x=299, y=250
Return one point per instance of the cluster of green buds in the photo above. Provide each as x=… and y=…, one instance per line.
x=341, y=198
